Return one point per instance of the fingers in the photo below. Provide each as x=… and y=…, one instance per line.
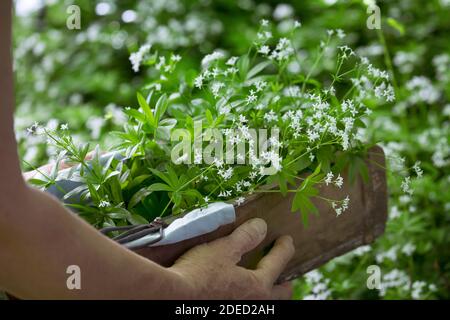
x=271, y=265
x=282, y=291
x=244, y=238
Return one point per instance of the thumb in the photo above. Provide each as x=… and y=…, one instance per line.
x=246, y=237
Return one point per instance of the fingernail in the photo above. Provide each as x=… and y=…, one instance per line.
x=290, y=239
x=260, y=226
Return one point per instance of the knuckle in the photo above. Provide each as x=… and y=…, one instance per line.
x=248, y=236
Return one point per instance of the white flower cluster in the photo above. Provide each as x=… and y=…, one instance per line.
x=212, y=71
x=406, y=186
x=338, y=182
x=422, y=90
x=343, y=205
x=396, y=279
x=136, y=58
x=399, y=280
x=319, y=284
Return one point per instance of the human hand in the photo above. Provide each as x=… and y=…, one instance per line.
x=209, y=271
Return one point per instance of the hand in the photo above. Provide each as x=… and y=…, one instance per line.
x=210, y=271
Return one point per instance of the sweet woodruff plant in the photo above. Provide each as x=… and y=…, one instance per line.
x=315, y=128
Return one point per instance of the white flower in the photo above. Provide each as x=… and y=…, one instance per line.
x=344, y=206
x=225, y=194
x=206, y=199
x=273, y=158
x=264, y=22
x=329, y=178
x=253, y=175
x=312, y=135
x=422, y=90
x=408, y=249
x=225, y=109
x=417, y=169
x=206, y=61
x=339, y=181
x=271, y=116
x=176, y=57
x=242, y=119
x=417, y=288
x=225, y=174
x=240, y=201
x=345, y=203
x=394, y=279
x=432, y=287
x=218, y=163
x=340, y=33
x=260, y=85
x=104, y=204
x=360, y=251
x=394, y=212
x=33, y=129
x=319, y=284
x=264, y=50
x=64, y=126
x=137, y=57
x=297, y=24
x=198, y=81
x=389, y=94
x=215, y=87
x=406, y=186
x=231, y=61
x=251, y=97
x=391, y=254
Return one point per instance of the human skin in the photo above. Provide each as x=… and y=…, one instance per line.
x=40, y=238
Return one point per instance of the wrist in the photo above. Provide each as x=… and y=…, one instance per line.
x=184, y=284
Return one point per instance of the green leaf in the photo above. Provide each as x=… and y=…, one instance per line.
x=160, y=187
x=38, y=182
x=301, y=164
x=136, y=219
x=163, y=177
x=146, y=109
x=396, y=25
x=325, y=155
x=257, y=69
x=161, y=107
x=138, y=180
x=302, y=203
x=243, y=65
x=209, y=117
x=177, y=198
x=138, y=197
x=119, y=213
x=193, y=193
x=357, y=166
x=135, y=114
x=75, y=191
x=173, y=176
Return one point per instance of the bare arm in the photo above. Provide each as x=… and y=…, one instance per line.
x=39, y=239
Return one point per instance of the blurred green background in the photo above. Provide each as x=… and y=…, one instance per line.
x=84, y=78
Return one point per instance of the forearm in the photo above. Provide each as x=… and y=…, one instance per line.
x=41, y=233
x=8, y=149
